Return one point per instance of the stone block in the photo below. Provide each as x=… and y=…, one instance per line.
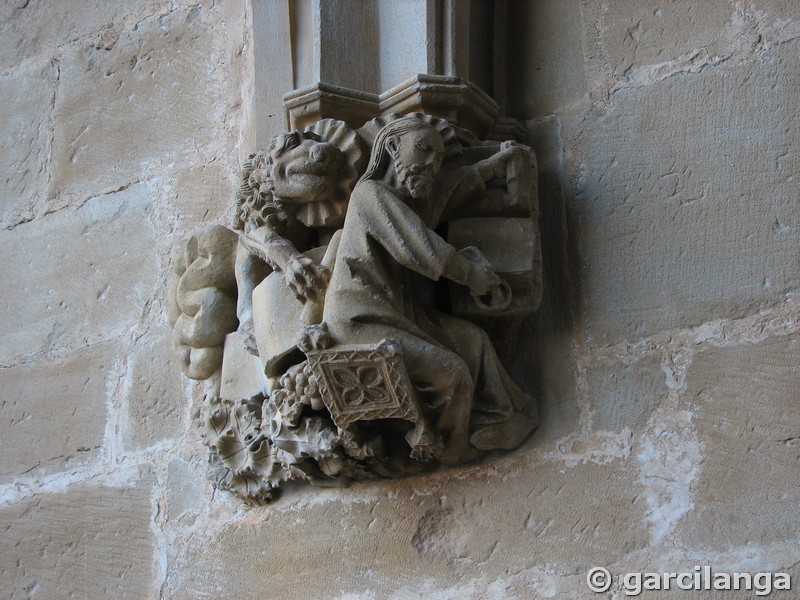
x=54, y=412
x=541, y=360
x=79, y=277
x=624, y=395
x=391, y=539
x=557, y=297
x=26, y=95
x=402, y=25
x=200, y=195
x=37, y=26
x=747, y=416
x=547, y=70
x=510, y=246
x=155, y=401
x=507, y=243
x=185, y=489
x=154, y=98
x=634, y=34
x=542, y=354
x=242, y=373
x=679, y=229
x=779, y=19
x=87, y=542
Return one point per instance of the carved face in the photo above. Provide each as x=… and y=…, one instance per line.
x=304, y=168
x=417, y=157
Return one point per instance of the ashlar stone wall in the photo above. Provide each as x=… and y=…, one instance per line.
x=121, y=125
x=665, y=356
x=673, y=132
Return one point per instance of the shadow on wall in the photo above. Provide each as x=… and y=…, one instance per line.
x=542, y=355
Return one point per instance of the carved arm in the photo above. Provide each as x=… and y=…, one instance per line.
x=306, y=278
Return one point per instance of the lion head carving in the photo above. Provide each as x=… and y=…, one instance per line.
x=307, y=175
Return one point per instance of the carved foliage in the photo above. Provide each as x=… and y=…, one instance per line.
x=253, y=466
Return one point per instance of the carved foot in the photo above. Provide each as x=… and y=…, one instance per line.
x=503, y=436
x=425, y=444
x=315, y=337
x=454, y=455
x=359, y=450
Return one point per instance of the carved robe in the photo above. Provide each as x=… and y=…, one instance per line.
x=373, y=295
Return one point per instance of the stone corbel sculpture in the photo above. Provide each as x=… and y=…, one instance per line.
x=340, y=312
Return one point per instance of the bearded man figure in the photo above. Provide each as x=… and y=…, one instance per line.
x=387, y=243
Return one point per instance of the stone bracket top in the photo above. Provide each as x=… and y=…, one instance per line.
x=453, y=98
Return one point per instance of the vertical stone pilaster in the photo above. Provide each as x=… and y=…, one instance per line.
x=356, y=61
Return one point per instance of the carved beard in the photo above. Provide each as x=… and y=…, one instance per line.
x=417, y=179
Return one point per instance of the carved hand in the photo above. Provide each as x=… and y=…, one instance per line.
x=479, y=276
x=306, y=278
x=496, y=299
x=483, y=280
x=495, y=165
x=508, y=150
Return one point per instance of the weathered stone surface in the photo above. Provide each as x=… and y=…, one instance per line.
x=675, y=593
x=80, y=277
x=155, y=401
x=28, y=28
x=779, y=19
x=125, y=109
x=542, y=359
x=402, y=25
x=543, y=354
x=488, y=235
x=87, y=542
x=544, y=37
x=242, y=373
x=26, y=95
x=185, y=489
x=554, y=222
x=633, y=34
x=681, y=229
x=688, y=212
x=624, y=395
x=199, y=195
x=769, y=558
x=421, y=534
x=55, y=412
x=747, y=415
